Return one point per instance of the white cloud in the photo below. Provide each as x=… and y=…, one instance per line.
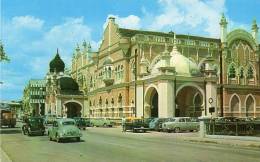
x=27, y=21
x=191, y=13
x=64, y=37
x=131, y=21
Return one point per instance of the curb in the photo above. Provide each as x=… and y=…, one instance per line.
x=4, y=157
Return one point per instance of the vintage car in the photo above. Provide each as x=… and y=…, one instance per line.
x=156, y=123
x=49, y=119
x=64, y=129
x=135, y=125
x=80, y=122
x=33, y=125
x=179, y=124
x=101, y=122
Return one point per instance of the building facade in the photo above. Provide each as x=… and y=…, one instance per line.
x=63, y=97
x=34, y=97
x=157, y=74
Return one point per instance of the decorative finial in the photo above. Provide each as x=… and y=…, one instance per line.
x=174, y=48
x=84, y=44
x=57, y=51
x=77, y=48
x=223, y=20
x=254, y=25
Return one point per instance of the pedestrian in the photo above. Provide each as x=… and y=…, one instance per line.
x=123, y=124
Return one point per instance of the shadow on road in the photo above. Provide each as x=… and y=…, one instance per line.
x=9, y=131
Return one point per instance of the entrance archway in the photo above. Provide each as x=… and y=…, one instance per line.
x=73, y=109
x=189, y=102
x=151, y=103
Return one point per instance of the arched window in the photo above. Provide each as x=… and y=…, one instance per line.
x=250, y=106
x=234, y=104
x=112, y=101
x=106, y=102
x=90, y=104
x=250, y=73
x=100, y=101
x=109, y=72
x=241, y=73
x=120, y=100
x=232, y=72
x=122, y=72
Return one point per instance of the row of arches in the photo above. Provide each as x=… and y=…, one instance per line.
x=236, y=105
x=242, y=72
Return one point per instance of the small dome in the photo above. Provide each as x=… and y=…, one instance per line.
x=68, y=84
x=108, y=61
x=56, y=64
x=183, y=65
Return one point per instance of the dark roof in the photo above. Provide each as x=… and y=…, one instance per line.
x=68, y=84
x=56, y=64
x=130, y=33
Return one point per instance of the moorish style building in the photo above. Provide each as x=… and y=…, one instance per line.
x=157, y=74
x=63, y=97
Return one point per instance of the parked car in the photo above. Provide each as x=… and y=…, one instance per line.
x=64, y=129
x=156, y=123
x=49, y=119
x=179, y=124
x=136, y=125
x=33, y=125
x=80, y=122
x=101, y=122
x=226, y=119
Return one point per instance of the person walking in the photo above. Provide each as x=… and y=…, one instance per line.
x=123, y=124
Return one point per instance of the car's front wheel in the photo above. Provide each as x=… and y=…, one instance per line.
x=57, y=139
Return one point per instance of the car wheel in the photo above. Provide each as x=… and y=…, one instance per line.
x=177, y=130
x=29, y=133
x=169, y=131
x=78, y=139
x=57, y=138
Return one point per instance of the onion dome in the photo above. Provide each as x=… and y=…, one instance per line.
x=68, y=84
x=56, y=64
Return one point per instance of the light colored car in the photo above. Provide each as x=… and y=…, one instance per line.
x=179, y=124
x=101, y=122
x=64, y=129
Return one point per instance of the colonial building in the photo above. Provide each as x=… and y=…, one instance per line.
x=63, y=97
x=34, y=97
x=157, y=74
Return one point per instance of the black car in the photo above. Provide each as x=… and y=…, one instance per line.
x=81, y=122
x=33, y=125
x=136, y=125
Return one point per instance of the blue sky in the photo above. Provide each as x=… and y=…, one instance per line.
x=31, y=30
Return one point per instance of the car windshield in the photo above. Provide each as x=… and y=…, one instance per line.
x=68, y=123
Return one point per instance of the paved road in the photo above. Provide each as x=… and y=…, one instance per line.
x=110, y=144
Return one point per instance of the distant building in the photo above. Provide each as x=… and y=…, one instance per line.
x=34, y=97
x=157, y=74
x=63, y=97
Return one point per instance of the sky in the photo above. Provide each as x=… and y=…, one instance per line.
x=32, y=30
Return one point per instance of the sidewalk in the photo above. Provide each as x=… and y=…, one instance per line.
x=244, y=141
x=3, y=156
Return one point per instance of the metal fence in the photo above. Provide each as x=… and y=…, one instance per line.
x=239, y=128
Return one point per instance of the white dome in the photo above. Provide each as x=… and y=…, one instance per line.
x=183, y=65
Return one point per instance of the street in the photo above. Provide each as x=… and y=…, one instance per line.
x=110, y=144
